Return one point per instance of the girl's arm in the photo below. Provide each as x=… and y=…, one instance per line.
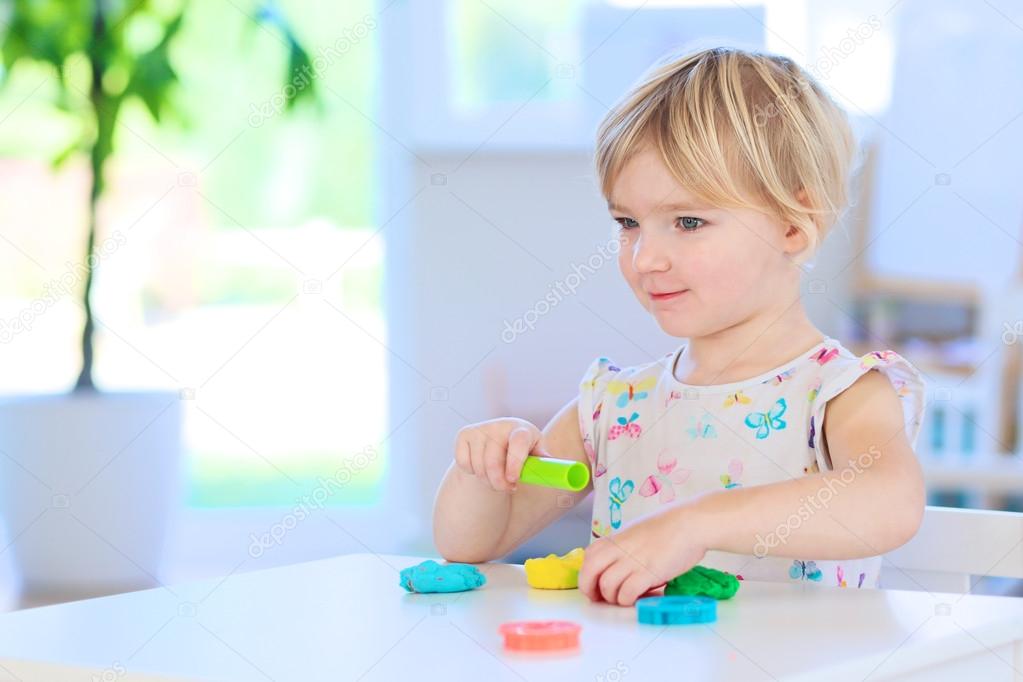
x=474, y=523
x=870, y=503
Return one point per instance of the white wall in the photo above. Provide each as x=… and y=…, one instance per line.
x=484, y=248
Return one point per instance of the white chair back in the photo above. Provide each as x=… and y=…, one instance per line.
x=956, y=548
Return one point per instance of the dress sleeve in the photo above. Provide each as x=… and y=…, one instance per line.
x=592, y=388
x=906, y=380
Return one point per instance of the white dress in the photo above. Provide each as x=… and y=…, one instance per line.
x=652, y=440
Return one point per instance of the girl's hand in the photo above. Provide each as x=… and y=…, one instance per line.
x=494, y=451
x=644, y=556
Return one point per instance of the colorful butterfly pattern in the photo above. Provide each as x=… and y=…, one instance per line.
x=763, y=422
x=739, y=398
x=875, y=358
x=805, y=570
x=628, y=427
x=602, y=365
x=699, y=428
x=840, y=578
x=668, y=475
x=628, y=391
x=619, y=493
x=815, y=390
x=731, y=479
x=779, y=379
x=824, y=356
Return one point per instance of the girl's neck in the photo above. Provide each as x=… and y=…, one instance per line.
x=747, y=349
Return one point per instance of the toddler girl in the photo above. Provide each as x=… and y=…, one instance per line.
x=760, y=446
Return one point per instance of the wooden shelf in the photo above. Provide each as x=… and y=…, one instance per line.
x=939, y=291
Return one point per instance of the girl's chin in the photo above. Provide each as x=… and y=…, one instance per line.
x=675, y=325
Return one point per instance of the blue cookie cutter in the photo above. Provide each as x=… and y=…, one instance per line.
x=677, y=610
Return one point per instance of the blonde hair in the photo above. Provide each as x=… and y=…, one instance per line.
x=737, y=129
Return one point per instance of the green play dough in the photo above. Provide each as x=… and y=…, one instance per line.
x=704, y=582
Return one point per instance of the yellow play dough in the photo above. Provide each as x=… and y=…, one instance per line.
x=554, y=572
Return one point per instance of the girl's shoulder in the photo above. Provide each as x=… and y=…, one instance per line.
x=845, y=369
x=839, y=368
x=604, y=380
x=831, y=367
x=604, y=370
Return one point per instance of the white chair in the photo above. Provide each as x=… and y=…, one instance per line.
x=955, y=549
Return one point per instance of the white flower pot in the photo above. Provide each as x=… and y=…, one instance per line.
x=87, y=481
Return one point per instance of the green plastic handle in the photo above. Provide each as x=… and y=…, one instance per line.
x=566, y=474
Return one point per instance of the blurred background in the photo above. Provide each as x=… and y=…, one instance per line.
x=328, y=235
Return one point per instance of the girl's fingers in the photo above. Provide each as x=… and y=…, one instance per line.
x=596, y=559
x=520, y=442
x=611, y=580
x=462, y=453
x=494, y=455
x=634, y=587
x=477, y=444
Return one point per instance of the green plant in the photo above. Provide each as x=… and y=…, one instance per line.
x=101, y=63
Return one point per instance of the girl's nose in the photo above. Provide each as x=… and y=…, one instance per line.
x=649, y=254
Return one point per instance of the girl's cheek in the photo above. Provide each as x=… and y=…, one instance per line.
x=734, y=282
x=698, y=266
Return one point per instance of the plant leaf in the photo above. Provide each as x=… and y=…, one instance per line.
x=152, y=76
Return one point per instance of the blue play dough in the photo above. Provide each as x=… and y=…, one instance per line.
x=430, y=576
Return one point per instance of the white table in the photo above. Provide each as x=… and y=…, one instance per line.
x=347, y=618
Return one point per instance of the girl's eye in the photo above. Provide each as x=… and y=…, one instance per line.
x=627, y=223
x=690, y=224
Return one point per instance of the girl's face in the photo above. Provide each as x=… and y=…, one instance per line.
x=699, y=269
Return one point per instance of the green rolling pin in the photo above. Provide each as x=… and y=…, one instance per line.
x=566, y=474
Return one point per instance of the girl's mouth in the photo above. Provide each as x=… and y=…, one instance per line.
x=666, y=296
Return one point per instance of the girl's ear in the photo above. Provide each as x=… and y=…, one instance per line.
x=796, y=239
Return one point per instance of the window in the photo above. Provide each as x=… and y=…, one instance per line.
x=249, y=274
